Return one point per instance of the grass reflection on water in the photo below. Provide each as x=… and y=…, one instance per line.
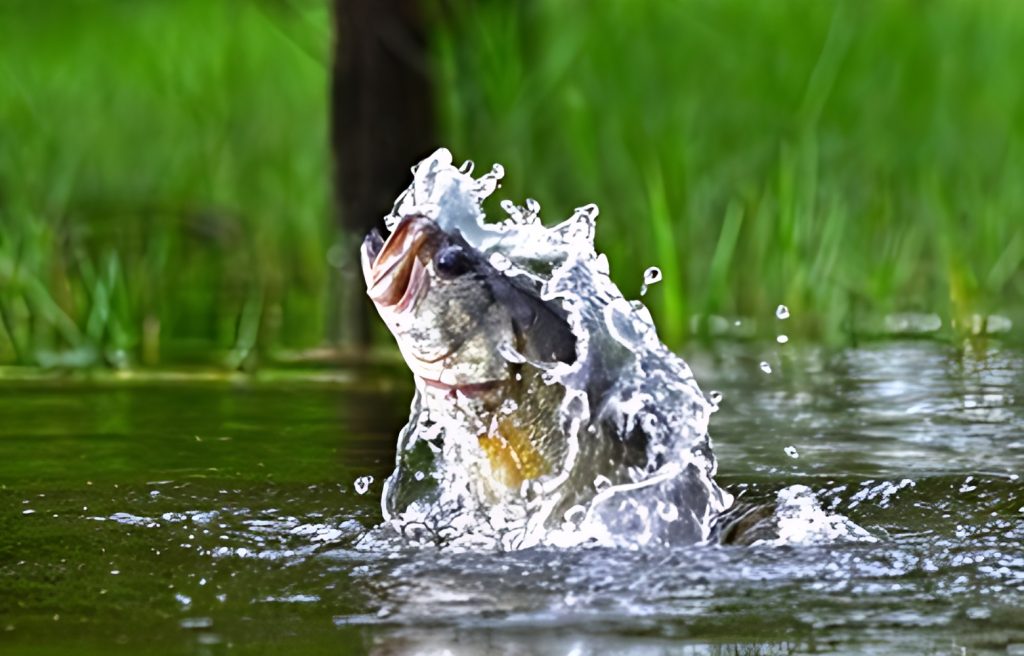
x=200, y=516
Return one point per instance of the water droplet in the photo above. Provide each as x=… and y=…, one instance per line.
x=196, y=623
x=715, y=398
x=765, y=367
x=575, y=514
x=602, y=483
x=782, y=312
x=419, y=476
x=668, y=511
x=651, y=276
x=362, y=484
x=791, y=452
x=467, y=167
x=532, y=206
x=590, y=210
x=28, y=512
x=782, y=339
x=515, y=213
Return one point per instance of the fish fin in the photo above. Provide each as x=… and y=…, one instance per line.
x=542, y=327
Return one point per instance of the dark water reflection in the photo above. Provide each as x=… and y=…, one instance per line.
x=221, y=517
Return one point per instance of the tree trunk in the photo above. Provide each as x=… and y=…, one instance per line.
x=382, y=122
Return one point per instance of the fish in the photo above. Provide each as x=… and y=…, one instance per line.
x=547, y=410
x=487, y=428
x=475, y=340
x=456, y=317
x=479, y=342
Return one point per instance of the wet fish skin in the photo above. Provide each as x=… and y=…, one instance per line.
x=454, y=325
x=477, y=341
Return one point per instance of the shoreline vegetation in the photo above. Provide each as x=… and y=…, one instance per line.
x=165, y=168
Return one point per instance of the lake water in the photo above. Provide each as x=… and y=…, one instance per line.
x=193, y=514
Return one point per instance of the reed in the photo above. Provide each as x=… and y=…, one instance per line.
x=164, y=173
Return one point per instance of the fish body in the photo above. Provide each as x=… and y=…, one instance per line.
x=544, y=400
x=479, y=343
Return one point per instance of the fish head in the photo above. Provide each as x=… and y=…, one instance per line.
x=460, y=323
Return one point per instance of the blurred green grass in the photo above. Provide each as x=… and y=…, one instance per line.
x=163, y=178
x=164, y=168
x=848, y=159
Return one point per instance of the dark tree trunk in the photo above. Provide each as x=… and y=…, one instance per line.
x=382, y=122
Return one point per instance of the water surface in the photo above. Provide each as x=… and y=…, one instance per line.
x=195, y=515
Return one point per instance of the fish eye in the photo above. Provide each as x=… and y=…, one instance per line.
x=452, y=261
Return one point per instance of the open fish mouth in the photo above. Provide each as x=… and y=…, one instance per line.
x=395, y=269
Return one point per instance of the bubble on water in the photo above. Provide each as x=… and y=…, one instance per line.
x=782, y=312
x=782, y=339
x=362, y=484
x=792, y=452
x=765, y=367
x=652, y=276
x=967, y=487
x=196, y=623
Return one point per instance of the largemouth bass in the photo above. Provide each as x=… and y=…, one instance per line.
x=546, y=409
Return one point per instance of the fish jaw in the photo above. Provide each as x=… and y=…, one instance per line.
x=393, y=269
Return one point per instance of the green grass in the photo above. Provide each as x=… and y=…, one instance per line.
x=849, y=159
x=162, y=179
x=164, y=172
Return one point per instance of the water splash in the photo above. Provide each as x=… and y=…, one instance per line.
x=652, y=276
x=634, y=464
